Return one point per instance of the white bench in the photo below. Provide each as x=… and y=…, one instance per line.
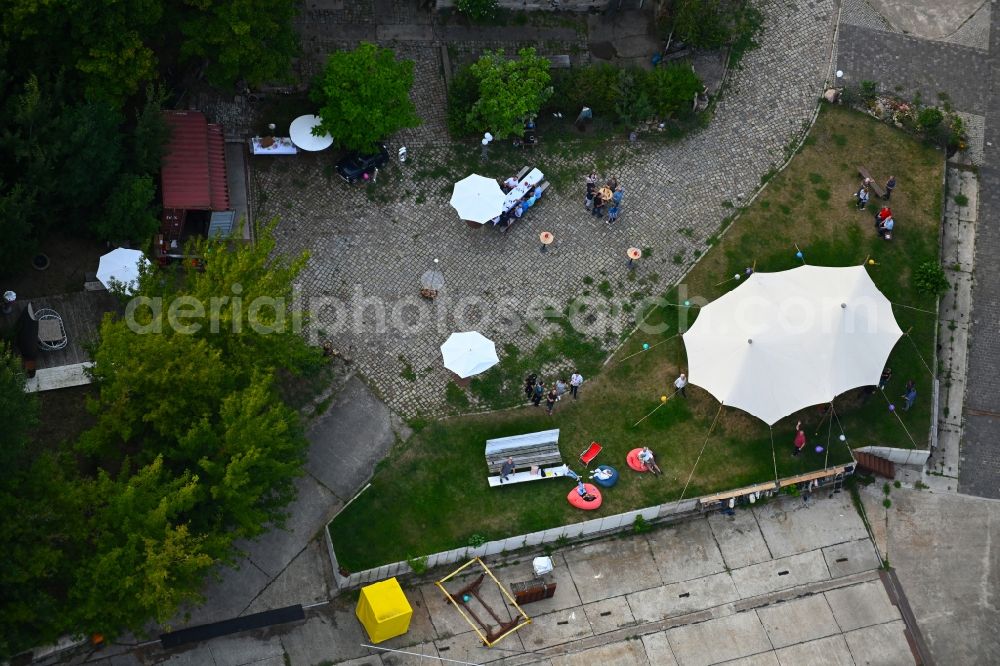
x=536, y=456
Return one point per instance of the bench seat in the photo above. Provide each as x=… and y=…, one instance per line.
x=521, y=477
x=539, y=450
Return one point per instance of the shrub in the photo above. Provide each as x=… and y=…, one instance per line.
x=671, y=89
x=418, y=564
x=704, y=24
x=478, y=10
x=929, y=119
x=930, y=278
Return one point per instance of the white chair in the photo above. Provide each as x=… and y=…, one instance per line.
x=51, y=332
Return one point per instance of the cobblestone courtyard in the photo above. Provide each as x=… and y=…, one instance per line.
x=367, y=256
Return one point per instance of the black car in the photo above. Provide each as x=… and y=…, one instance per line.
x=355, y=166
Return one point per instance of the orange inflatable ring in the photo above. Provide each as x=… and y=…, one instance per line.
x=580, y=503
x=633, y=461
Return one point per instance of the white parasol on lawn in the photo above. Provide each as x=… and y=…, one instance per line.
x=784, y=341
x=302, y=136
x=121, y=266
x=477, y=198
x=469, y=353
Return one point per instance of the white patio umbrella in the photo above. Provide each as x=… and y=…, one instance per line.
x=784, y=341
x=301, y=134
x=477, y=198
x=121, y=265
x=469, y=353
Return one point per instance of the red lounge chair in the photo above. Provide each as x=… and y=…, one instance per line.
x=588, y=456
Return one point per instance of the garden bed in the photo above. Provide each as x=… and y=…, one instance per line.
x=431, y=493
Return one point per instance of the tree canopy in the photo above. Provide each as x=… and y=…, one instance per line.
x=192, y=449
x=80, y=88
x=510, y=91
x=364, y=96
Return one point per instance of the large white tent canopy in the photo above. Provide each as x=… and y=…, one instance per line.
x=783, y=341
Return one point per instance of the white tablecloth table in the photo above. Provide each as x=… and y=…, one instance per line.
x=533, y=178
x=282, y=146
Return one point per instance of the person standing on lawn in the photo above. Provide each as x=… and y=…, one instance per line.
x=890, y=185
x=862, y=196
x=680, y=384
x=537, y=393
x=800, y=439
x=910, y=396
x=883, y=381
x=550, y=400
x=575, y=381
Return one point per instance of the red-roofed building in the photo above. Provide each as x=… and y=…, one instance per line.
x=194, y=180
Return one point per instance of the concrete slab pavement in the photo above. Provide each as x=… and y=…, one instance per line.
x=880, y=644
x=798, y=621
x=945, y=549
x=719, y=640
x=739, y=539
x=612, y=605
x=830, y=651
x=349, y=439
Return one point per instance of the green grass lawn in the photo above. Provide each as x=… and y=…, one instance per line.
x=431, y=494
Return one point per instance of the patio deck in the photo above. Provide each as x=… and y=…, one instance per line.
x=81, y=313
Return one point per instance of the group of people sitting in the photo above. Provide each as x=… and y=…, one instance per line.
x=884, y=223
x=517, y=211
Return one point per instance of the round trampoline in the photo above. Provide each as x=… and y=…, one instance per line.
x=608, y=482
x=633, y=461
x=580, y=503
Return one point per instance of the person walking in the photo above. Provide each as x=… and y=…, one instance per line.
x=575, y=381
x=550, y=400
x=890, y=185
x=680, y=384
x=800, y=439
x=537, y=393
x=910, y=396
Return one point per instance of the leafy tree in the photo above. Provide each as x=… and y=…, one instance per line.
x=144, y=560
x=20, y=411
x=91, y=156
x=252, y=40
x=364, y=96
x=151, y=133
x=106, y=44
x=510, y=90
x=17, y=209
x=36, y=508
x=128, y=212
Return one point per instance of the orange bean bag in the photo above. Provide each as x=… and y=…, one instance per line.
x=633, y=461
x=580, y=503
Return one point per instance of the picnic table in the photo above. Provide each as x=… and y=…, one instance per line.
x=530, y=180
